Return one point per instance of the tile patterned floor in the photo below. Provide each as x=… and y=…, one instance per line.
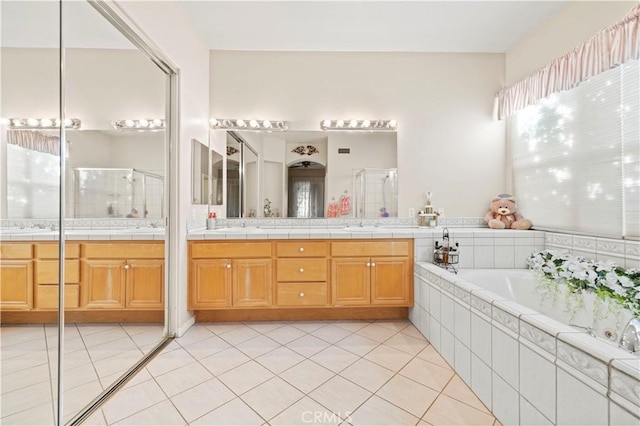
x=297, y=373
x=95, y=355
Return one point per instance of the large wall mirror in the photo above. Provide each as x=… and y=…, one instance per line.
x=114, y=171
x=206, y=174
x=301, y=173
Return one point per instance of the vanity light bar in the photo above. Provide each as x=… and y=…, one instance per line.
x=365, y=125
x=240, y=124
x=41, y=123
x=149, y=125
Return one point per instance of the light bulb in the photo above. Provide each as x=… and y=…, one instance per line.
x=266, y=124
x=240, y=123
x=57, y=122
x=254, y=124
x=366, y=123
x=16, y=122
x=213, y=122
x=33, y=122
x=339, y=123
x=129, y=123
x=353, y=123
x=143, y=123
x=159, y=122
x=281, y=125
x=5, y=121
x=226, y=123
x=46, y=122
x=326, y=123
x=392, y=124
x=67, y=122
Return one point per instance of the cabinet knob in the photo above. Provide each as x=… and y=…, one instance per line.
x=368, y=263
x=373, y=264
x=228, y=266
x=301, y=249
x=126, y=266
x=301, y=269
x=301, y=294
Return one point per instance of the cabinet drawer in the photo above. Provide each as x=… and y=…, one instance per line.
x=47, y=296
x=47, y=271
x=50, y=250
x=302, y=294
x=374, y=248
x=224, y=250
x=302, y=270
x=15, y=251
x=123, y=250
x=301, y=249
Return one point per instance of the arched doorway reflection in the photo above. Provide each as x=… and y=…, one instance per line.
x=306, y=182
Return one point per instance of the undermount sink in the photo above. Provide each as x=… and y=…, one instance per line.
x=236, y=230
x=361, y=228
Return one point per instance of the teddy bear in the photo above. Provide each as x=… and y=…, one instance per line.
x=503, y=214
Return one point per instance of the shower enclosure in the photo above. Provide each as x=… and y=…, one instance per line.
x=375, y=193
x=101, y=192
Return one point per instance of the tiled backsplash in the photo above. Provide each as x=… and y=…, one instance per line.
x=82, y=223
x=623, y=253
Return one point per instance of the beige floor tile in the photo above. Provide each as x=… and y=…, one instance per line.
x=448, y=411
x=430, y=354
x=117, y=364
x=396, y=325
x=352, y=325
x=206, y=347
x=25, y=398
x=264, y=326
x=132, y=400
x=234, y=412
x=201, y=399
x=408, y=395
x=78, y=376
x=163, y=413
x=335, y=359
x=140, y=328
x=427, y=373
x=307, y=375
x=77, y=398
x=39, y=415
x=357, y=344
x=223, y=361
x=183, y=378
x=17, y=333
x=272, y=397
x=412, y=331
x=497, y=423
x=377, y=411
x=285, y=334
x=168, y=361
x=376, y=332
x=279, y=360
x=113, y=348
x=407, y=344
x=96, y=419
x=309, y=326
x=22, y=379
x=245, y=377
x=194, y=334
x=141, y=376
x=100, y=338
x=331, y=333
x=458, y=389
x=23, y=362
x=308, y=345
x=23, y=348
x=220, y=328
x=239, y=335
x=306, y=412
x=258, y=346
x=367, y=374
x=388, y=357
x=340, y=396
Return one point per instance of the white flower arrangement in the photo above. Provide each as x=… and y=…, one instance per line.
x=603, y=278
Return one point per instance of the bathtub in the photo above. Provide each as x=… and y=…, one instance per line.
x=518, y=353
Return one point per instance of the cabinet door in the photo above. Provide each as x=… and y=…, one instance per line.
x=390, y=281
x=252, y=282
x=145, y=284
x=210, y=283
x=16, y=285
x=350, y=281
x=104, y=284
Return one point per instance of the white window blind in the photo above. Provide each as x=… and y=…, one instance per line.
x=576, y=158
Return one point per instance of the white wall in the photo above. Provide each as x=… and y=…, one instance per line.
x=169, y=27
x=448, y=142
x=570, y=26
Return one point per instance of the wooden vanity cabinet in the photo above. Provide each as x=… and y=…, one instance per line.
x=123, y=275
x=16, y=276
x=372, y=273
x=46, y=277
x=230, y=274
x=302, y=271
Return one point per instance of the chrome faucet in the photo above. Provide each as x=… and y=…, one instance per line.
x=630, y=339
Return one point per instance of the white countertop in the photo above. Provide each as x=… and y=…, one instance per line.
x=29, y=234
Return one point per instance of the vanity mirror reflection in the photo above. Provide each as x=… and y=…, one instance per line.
x=300, y=173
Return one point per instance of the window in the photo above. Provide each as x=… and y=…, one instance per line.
x=576, y=157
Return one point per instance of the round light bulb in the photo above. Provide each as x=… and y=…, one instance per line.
x=393, y=124
x=129, y=123
x=33, y=121
x=326, y=123
x=266, y=124
x=366, y=123
x=57, y=122
x=254, y=123
x=213, y=122
x=159, y=122
x=353, y=123
x=46, y=122
x=226, y=123
x=5, y=121
x=143, y=123
x=16, y=122
x=339, y=123
x=67, y=122
x=240, y=123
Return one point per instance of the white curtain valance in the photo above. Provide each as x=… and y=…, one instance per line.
x=609, y=48
x=34, y=141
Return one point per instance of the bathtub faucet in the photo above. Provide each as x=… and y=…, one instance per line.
x=630, y=339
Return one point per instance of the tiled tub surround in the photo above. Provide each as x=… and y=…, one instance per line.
x=623, y=253
x=526, y=367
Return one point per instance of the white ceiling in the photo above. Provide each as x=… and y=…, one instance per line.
x=388, y=26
